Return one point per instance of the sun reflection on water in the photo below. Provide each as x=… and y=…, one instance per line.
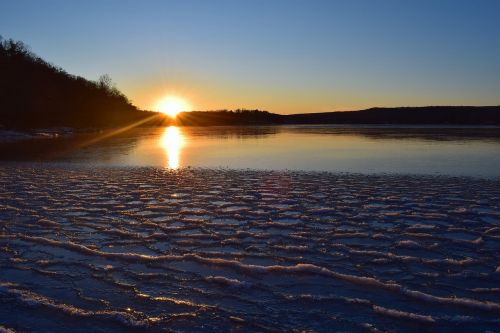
x=172, y=141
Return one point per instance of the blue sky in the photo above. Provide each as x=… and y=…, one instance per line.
x=285, y=56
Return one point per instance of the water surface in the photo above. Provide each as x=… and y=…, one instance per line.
x=359, y=149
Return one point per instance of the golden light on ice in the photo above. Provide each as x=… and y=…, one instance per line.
x=172, y=105
x=172, y=141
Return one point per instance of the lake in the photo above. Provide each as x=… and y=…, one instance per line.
x=117, y=234
x=461, y=151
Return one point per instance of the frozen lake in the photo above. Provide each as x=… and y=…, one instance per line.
x=376, y=149
x=156, y=250
x=214, y=230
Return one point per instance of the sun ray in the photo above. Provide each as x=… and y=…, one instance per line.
x=172, y=105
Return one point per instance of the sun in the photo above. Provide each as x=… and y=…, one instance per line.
x=172, y=105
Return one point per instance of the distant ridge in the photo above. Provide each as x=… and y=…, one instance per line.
x=452, y=115
x=427, y=115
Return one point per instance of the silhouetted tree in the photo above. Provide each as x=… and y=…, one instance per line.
x=35, y=93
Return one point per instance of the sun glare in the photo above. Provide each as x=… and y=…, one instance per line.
x=172, y=105
x=172, y=141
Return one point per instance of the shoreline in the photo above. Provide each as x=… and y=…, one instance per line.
x=90, y=166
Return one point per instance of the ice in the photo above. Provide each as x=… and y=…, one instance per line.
x=227, y=281
x=4, y=329
x=205, y=250
x=403, y=315
x=34, y=300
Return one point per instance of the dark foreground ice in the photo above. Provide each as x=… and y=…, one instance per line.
x=147, y=249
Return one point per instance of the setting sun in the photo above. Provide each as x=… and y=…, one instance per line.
x=172, y=105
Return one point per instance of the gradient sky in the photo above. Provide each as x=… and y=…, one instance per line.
x=285, y=56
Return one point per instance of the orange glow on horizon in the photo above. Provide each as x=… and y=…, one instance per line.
x=172, y=105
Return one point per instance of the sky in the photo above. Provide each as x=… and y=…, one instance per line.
x=284, y=56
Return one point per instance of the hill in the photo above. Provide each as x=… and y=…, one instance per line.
x=435, y=115
x=34, y=93
x=444, y=115
x=440, y=115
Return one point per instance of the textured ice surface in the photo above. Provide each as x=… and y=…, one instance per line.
x=147, y=249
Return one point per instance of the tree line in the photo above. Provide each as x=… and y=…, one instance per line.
x=35, y=93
